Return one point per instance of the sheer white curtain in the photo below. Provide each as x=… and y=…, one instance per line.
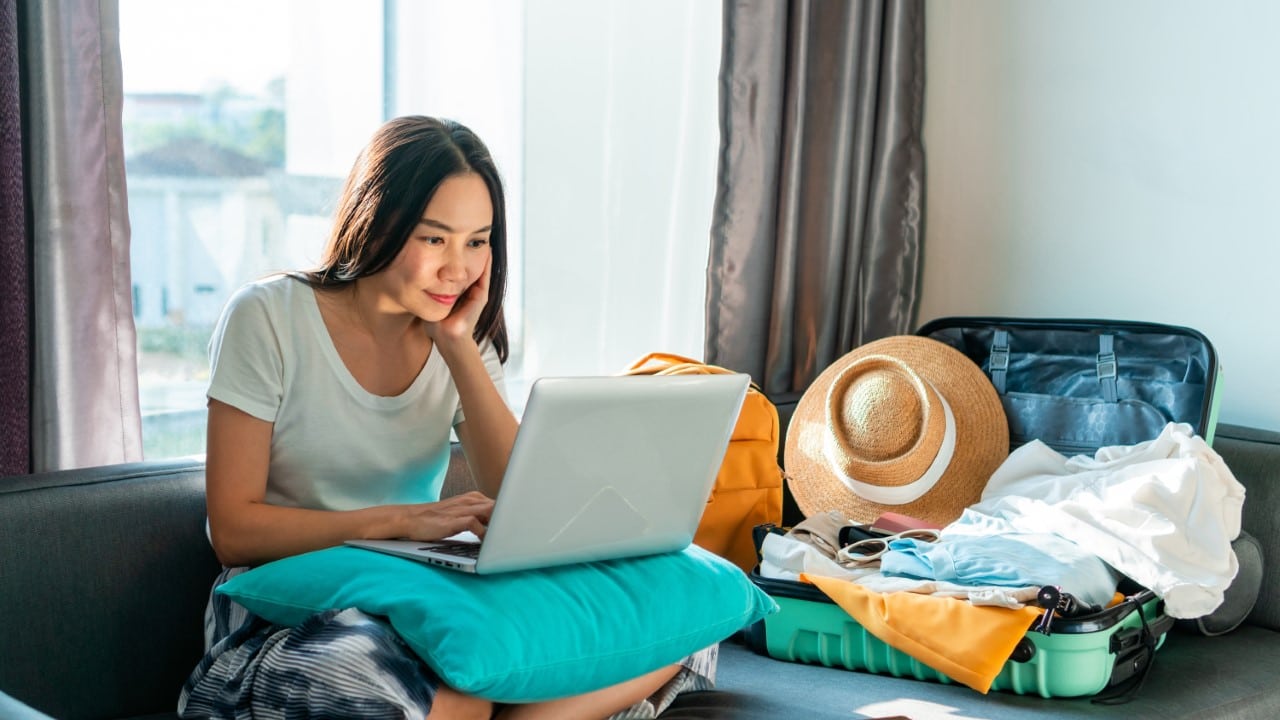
x=602, y=117
x=85, y=380
x=621, y=139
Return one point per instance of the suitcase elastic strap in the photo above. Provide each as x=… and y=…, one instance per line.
x=999, y=359
x=1106, y=364
x=1107, y=367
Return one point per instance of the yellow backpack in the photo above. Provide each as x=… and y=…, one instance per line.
x=748, y=489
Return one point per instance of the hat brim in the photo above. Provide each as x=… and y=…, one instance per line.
x=982, y=436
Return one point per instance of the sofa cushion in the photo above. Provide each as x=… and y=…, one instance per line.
x=521, y=636
x=104, y=576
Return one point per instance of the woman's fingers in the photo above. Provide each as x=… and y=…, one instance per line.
x=471, y=499
x=477, y=527
x=468, y=511
x=461, y=322
x=477, y=296
x=482, y=282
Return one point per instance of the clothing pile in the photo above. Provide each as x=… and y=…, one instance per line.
x=1162, y=513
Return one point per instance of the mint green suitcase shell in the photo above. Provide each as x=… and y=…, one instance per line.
x=1081, y=656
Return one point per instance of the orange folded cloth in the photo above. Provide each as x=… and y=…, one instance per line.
x=966, y=642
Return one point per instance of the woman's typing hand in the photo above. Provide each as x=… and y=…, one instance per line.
x=437, y=520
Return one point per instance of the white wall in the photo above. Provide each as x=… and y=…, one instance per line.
x=1092, y=158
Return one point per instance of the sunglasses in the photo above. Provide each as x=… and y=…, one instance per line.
x=868, y=551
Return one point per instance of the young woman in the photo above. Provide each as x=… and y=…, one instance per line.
x=331, y=398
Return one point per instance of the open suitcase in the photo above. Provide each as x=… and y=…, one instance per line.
x=1077, y=385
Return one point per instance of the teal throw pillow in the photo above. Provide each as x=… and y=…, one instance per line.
x=521, y=636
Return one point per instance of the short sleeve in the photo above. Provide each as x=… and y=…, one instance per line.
x=246, y=365
x=491, y=363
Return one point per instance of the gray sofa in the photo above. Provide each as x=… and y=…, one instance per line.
x=104, y=574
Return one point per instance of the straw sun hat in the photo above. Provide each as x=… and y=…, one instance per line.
x=904, y=424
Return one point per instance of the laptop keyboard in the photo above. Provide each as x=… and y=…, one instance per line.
x=458, y=548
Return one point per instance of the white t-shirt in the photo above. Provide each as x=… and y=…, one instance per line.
x=334, y=445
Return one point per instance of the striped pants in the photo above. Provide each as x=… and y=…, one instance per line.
x=339, y=664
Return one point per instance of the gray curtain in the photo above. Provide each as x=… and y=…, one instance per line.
x=817, y=229
x=15, y=287
x=84, y=392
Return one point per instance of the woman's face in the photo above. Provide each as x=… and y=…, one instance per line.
x=446, y=252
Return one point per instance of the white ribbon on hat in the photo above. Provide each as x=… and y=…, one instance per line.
x=914, y=490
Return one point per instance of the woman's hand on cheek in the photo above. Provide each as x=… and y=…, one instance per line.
x=462, y=320
x=433, y=521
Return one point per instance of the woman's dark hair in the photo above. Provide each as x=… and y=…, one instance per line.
x=388, y=189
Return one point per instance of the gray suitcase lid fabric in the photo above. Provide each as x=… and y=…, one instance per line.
x=1081, y=384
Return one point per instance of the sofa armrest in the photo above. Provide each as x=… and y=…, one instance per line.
x=1254, y=458
x=104, y=576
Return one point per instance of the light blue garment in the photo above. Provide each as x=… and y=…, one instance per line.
x=1018, y=560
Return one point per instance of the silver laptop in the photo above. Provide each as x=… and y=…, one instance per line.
x=602, y=468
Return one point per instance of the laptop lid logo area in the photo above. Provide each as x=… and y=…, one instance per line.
x=606, y=513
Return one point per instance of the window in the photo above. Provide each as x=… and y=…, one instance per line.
x=601, y=117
